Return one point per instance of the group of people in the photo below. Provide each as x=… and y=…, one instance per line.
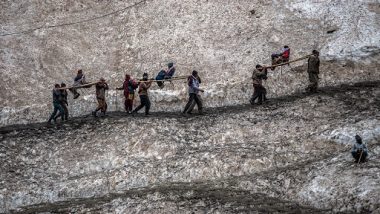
x=130, y=86
x=60, y=103
x=260, y=73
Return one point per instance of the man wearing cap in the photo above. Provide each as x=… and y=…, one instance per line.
x=143, y=93
x=258, y=74
x=194, y=90
x=57, y=105
x=313, y=71
x=101, y=88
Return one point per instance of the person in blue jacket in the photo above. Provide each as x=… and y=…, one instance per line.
x=359, y=150
x=194, y=90
x=57, y=99
x=165, y=75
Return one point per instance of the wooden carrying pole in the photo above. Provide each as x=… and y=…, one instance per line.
x=173, y=78
x=285, y=63
x=79, y=86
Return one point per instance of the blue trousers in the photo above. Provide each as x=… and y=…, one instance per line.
x=57, y=107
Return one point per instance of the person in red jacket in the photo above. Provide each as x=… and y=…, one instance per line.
x=129, y=87
x=281, y=57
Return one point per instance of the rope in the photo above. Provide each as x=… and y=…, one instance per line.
x=73, y=23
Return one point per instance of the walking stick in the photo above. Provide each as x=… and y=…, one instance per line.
x=361, y=153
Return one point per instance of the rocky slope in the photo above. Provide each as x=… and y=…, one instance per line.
x=290, y=155
x=44, y=43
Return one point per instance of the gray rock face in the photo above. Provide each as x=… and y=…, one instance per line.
x=223, y=40
x=290, y=155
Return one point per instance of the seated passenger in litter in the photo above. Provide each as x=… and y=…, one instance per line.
x=165, y=75
x=281, y=57
x=79, y=80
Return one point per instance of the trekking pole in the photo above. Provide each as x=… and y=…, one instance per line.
x=361, y=153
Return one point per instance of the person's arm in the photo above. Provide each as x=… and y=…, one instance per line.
x=148, y=84
x=106, y=86
x=194, y=86
x=365, y=149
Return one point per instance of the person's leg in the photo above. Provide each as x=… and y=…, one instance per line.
x=191, y=107
x=316, y=79
x=99, y=107
x=261, y=94
x=75, y=93
x=147, y=106
x=355, y=155
x=264, y=94
x=364, y=157
x=52, y=116
x=130, y=104
x=255, y=95
x=104, y=107
x=61, y=112
x=313, y=79
x=187, y=106
x=126, y=104
x=199, y=103
x=66, y=111
x=142, y=104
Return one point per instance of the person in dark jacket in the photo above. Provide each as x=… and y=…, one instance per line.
x=143, y=93
x=129, y=87
x=359, y=150
x=194, y=90
x=313, y=71
x=57, y=105
x=165, y=74
x=194, y=103
x=64, y=102
x=258, y=74
x=101, y=88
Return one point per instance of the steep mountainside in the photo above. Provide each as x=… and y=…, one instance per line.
x=291, y=155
